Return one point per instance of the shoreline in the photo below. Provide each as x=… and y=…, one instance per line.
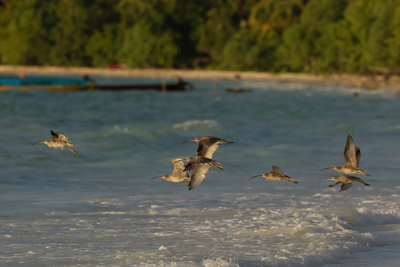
x=366, y=82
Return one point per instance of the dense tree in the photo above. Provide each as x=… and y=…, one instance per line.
x=158, y=32
x=318, y=36
x=223, y=20
x=371, y=27
x=103, y=43
x=307, y=46
x=23, y=32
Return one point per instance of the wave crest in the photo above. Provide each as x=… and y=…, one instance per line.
x=196, y=123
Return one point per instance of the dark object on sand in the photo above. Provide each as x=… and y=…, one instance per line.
x=179, y=85
x=62, y=83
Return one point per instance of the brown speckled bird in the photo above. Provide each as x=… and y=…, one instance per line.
x=200, y=167
x=178, y=174
x=276, y=174
x=352, y=155
x=347, y=181
x=208, y=145
x=58, y=141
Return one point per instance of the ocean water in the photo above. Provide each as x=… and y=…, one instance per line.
x=100, y=207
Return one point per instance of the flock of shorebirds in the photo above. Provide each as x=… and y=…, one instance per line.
x=202, y=162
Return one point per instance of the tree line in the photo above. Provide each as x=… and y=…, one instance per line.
x=312, y=36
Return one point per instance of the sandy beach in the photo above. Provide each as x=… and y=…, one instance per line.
x=368, y=82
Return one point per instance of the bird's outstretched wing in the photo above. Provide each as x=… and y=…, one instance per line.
x=276, y=170
x=358, y=155
x=360, y=181
x=345, y=186
x=208, y=145
x=350, y=158
x=198, y=175
x=54, y=135
x=199, y=161
x=179, y=167
x=63, y=138
x=332, y=185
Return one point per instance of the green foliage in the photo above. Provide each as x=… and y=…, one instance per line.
x=22, y=32
x=69, y=34
x=222, y=21
x=318, y=36
x=393, y=43
x=102, y=46
x=158, y=33
x=308, y=45
x=371, y=26
x=143, y=48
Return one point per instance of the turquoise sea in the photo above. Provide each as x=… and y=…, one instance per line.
x=100, y=208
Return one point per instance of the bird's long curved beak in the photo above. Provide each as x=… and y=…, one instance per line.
x=191, y=140
x=156, y=177
x=327, y=168
x=327, y=179
x=255, y=176
x=37, y=142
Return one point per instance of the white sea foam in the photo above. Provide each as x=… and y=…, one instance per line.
x=117, y=128
x=196, y=123
x=308, y=232
x=219, y=262
x=98, y=208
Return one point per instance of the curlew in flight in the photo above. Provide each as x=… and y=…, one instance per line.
x=178, y=174
x=58, y=141
x=352, y=156
x=347, y=181
x=276, y=175
x=208, y=145
x=200, y=167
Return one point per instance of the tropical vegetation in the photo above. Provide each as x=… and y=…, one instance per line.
x=312, y=36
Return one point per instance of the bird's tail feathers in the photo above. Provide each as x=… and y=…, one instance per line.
x=217, y=165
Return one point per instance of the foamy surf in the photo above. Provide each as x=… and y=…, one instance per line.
x=196, y=124
x=100, y=208
x=231, y=229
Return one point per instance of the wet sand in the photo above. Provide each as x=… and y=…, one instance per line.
x=368, y=82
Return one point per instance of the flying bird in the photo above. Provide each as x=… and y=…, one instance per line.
x=178, y=174
x=276, y=174
x=347, y=181
x=208, y=145
x=58, y=141
x=352, y=155
x=199, y=166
